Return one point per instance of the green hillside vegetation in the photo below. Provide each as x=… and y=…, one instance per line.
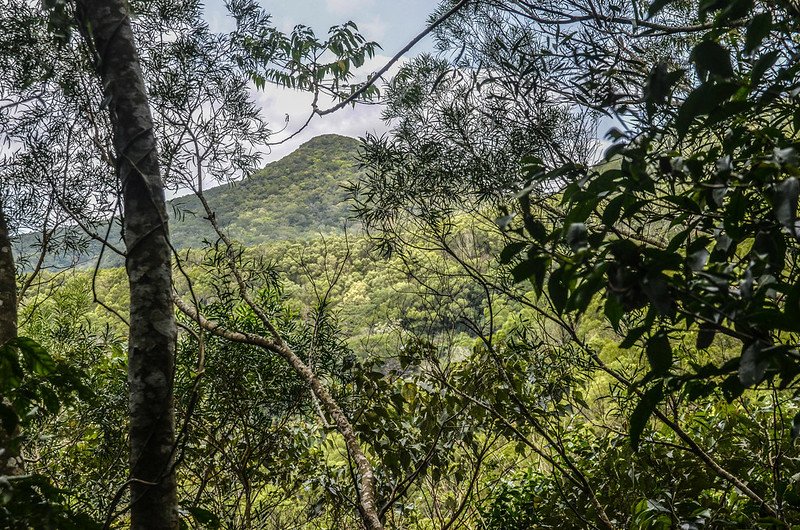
x=300, y=196
x=395, y=322
x=296, y=197
x=394, y=331
x=375, y=301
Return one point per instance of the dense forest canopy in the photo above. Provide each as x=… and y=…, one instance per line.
x=560, y=292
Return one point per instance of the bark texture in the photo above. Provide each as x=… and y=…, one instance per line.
x=151, y=349
x=10, y=459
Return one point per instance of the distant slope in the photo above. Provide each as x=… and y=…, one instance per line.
x=295, y=198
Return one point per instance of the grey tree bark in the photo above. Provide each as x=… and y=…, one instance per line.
x=152, y=339
x=11, y=462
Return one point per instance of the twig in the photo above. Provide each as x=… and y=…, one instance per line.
x=377, y=75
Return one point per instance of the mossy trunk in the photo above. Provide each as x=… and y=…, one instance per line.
x=151, y=348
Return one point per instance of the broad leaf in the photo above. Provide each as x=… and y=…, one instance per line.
x=711, y=58
x=757, y=31
x=659, y=353
x=752, y=365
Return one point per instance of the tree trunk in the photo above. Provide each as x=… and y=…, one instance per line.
x=10, y=459
x=152, y=339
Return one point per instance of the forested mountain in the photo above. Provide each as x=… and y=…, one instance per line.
x=299, y=196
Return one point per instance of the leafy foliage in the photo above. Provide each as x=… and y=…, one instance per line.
x=618, y=350
x=688, y=228
x=297, y=197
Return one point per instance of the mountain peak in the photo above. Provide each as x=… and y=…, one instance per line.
x=317, y=152
x=329, y=140
x=296, y=197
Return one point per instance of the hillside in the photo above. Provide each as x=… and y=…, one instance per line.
x=295, y=198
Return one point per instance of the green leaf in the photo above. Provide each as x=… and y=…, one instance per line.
x=770, y=244
x=8, y=417
x=752, y=365
x=796, y=426
x=625, y=251
x=558, y=290
x=659, y=353
x=601, y=184
x=641, y=414
x=206, y=518
x=705, y=337
x=633, y=335
x=576, y=236
x=701, y=101
x=49, y=398
x=757, y=31
x=522, y=271
x=583, y=294
x=613, y=311
x=679, y=239
x=11, y=373
x=786, y=203
x=35, y=356
x=732, y=388
x=656, y=6
x=408, y=391
x=535, y=228
x=511, y=250
x=580, y=210
x=657, y=291
x=612, y=211
x=733, y=9
x=699, y=389
x=707, y=6
x=657, y=88
x=534, y=268
x=761, y=66
x=683, y=202
x=711, y=58
x=532, y=164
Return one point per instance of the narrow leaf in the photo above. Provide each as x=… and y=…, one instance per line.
x=641, y=414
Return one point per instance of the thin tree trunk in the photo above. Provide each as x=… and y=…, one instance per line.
x=151, y=347
x=10, y=459
x=367, y=499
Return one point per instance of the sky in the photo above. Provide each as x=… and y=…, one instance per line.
x=392, y=24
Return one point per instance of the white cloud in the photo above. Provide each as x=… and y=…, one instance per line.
x=284, y=24
x=349, y=121
x=219, y=21
x=373, y=29
x=341, y=7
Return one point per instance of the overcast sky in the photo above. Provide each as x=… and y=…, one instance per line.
x=390, y=23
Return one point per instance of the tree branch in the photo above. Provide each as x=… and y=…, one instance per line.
x=399, y=55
